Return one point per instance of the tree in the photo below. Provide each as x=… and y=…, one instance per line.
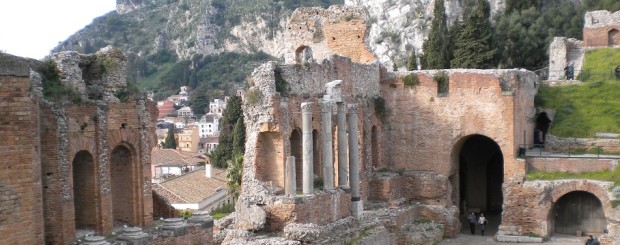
x=411, y=61
x=170, y=142
x=473, y=47
x=234, y=175
x=437, y=46
x=520, y=37
x=225, y=149
x=239, y=137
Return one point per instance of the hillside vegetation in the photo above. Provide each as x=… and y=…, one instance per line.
x=583, y=110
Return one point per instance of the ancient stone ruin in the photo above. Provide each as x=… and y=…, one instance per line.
x=340, y=149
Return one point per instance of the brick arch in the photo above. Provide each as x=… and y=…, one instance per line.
x=125, y=179
x=613, y=37
x=84, y=185
x=123, y=136
x=81, y=143
x=582, y=185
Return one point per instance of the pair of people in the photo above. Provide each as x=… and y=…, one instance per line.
x=592, y=241
x=474, y=220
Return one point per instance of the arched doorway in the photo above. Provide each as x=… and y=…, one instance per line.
x=124, y=187
x=614, y=37
x=84, y=191
x=296, y=151
x=578, y=211
x=542, y=128
x=303, y=54
x=481, y=175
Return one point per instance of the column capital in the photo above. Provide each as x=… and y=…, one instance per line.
x=326, y=106
x=307, y=106
x=352, y=108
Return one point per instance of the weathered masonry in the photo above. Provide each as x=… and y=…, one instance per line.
x=74, y=159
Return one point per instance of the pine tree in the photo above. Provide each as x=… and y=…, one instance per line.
x=437, y=46
x=170, y=142
x=473, y=47
x=239, y=138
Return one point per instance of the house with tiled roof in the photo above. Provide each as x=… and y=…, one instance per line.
x=165, y=108
x=166, y=163
x=207, y=144
x=203, y=189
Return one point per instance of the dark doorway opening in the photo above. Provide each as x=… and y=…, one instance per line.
x=542, y=127
x=614, y=38
x=317, y=165
x=84, y=191
x=296, y=151
x=123, y=186
x=578, y=211
x=374, y=141
x=481, y=175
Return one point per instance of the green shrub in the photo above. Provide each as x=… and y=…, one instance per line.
x=221, y=212
x=53, y=89
x=281, y=84
x=185, y=214
x=318, y=183
x=411, y=80
x=253, y=96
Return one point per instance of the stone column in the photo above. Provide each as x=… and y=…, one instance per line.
x=308, y=173
x=342, y=147
x=290, y=179
x=326, y=137
x=134, y=236
x=354, y=170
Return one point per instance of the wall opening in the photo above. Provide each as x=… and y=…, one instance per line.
x=303, y=54
x=84, y=191
x=296, y=151
x=579, y=211
x=269, y=159
x=316, y=155
x=614, y=37
x=124, y=188
x=374, y=144
x=542, y=128
x=481, y=175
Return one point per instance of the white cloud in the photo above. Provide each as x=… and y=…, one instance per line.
x=31, y=28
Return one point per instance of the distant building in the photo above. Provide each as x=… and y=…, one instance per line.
x=186, y=111
x=165, y=108
x=188, y=139
x=207, y=144
x=209, y=125
x=166, y=163
x=217, y=106
x=198, y=190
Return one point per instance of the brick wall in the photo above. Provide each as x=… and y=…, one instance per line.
x=601, y=36
x=573, y=165
x=20, y=181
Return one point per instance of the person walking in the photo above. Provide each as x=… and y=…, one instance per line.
x=472, y=222
x=483, y=223
x=617, y=70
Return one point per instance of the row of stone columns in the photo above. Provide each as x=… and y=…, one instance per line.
x=350, y=169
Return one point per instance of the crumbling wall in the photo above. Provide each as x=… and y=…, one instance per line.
x=601, y=29
x=563, y=52
x=315, y=34
x=21, y=214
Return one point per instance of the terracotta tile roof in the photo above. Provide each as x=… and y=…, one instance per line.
x=209, y=140
x=193, y=187
x=174, y=157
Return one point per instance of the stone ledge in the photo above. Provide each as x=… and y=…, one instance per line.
x=519, y=239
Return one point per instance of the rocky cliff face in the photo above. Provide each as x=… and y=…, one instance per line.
x=399, y=27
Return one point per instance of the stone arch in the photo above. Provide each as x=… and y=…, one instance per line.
x=317, y=166
x=85, y=191
x=582, y=185
x=303, y=54
x=374, y=146
x=477, y=175
x=269, y=158
x=577, y=211
x=613, y=37
x=297, y=152
x=124, y=179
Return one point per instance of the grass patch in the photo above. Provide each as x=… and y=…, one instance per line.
x=613, y=176
x=221, y=212
x=411, y=80
x=583, y=110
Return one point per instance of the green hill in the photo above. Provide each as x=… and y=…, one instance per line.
x=583, y=110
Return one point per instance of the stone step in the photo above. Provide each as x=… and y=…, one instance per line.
x=519, y=239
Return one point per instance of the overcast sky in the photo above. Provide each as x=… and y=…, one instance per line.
x=31, y=28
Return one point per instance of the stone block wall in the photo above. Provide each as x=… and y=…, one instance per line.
x=572, y=165
x=315, y=34
x=21, y=214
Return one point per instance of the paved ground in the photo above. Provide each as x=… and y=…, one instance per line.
x=467, y=238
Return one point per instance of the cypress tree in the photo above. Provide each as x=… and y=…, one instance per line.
x=170, y=142
x=437, y=46
x=411, y=61
x=239, y=138
x=225, y=149
x=473, y=47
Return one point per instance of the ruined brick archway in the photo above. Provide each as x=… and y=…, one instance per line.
x=613, y=37
x=84, y=191
x=296, y=151
x=578, y=211
x=478, y=184
x=594, y=190
x=269, y=154
x=542, y=123
x=123, y=179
